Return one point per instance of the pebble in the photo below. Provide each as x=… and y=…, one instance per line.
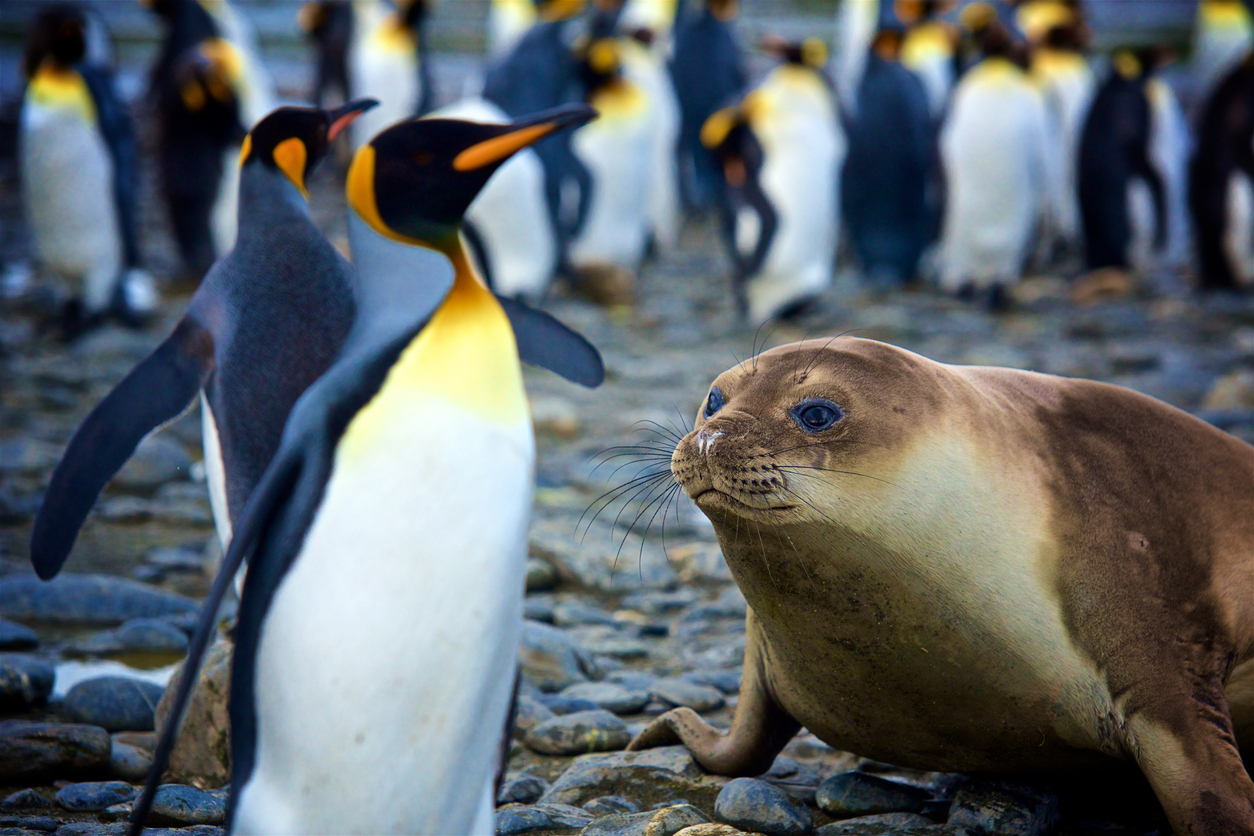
x=202, y=752
x=24, y=800
x=664, y=822
x=94, y=796
x=578, y=733
x=26, y=455
x=138, y=635
x=14, y=636
x=86, y=599
x=757, y=806
x=858, y=794
x=877, y=825
x=727, y=681
x=115, y=703
x=573, y=612
x=593, y=777
x=711, y=829
x=550, y=659
x=520, y=788
x=559, y=704
x=608, y=695
x=88, y=828
x=517, y=818
x=156, y=460
x=24, y=680
x=632, y=680
x=528, y=712
x=605, y=559
x=1004, y=810
x=179, y=805
x=609, y=805
x=541, y=575
x=31, y=751
x=39, y=824
x=683, y=692
x=129, y=763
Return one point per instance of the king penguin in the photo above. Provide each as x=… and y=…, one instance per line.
x=265, y=323
x=388, y=60
x=1224, y=34
x=79, y=168
x=397, y=507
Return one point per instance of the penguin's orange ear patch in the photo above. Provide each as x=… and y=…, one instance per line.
x=290, y=156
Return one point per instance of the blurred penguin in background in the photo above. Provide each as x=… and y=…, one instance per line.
x=542, y=72
x=388, y=61
x=658, y=16
x=329, y=26
x=1225, y=32
x=1115, y=153
x=930, y=48
x=708, y=73
x=1221, y=183
x=255, y=85
x=994, y=148
x=1170, y=145
x=1057, y=35
x=194, y=83
x=79, y=171
x=885, y=178
x=508, y=21
x=793, y=116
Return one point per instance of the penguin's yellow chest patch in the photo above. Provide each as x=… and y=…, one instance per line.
x=1223, y=15
x=392, y=36
x=58, y=89
x=623, y=100
x=926, y=43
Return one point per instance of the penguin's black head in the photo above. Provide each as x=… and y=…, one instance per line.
x=293, y=139
x=600, y=63
x=811, y=52
x=56, y=34
x=414, y=181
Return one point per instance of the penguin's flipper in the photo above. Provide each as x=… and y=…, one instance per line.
x=156, y=391
x=544, y=341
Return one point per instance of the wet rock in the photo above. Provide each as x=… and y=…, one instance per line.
x=14, y=636
x=129, y=763
x=596, y=560
x=27, y=455
x=24, y=680
x=619, y=649
x=31, y=751
x=579, y=733
x=551, y=659
x=711, y=829
x=858, y=794
x=538, y=608
x=700, y=563
x=683, y=692
x=24, y=800
x=202, y=752
x=141, y=635
x=518, y=818
x=727, y=681
x=529, y=712
x=1234, y=390
x=573, y=612
x=560, y=705
x=37, y=824
x=757, y=806
x=595, y=776
x=156, y=460
x=179, y=805
x=555, y=417
x=85, y=828
x=611, y=805
x=877, y=825
x=94, y=796
x=660, y=603
x=609, y=696
x=632, y=680
x=115, y=703
x=86, y=599
x=1004, y=810
x=541, y=575
x=520, y=788
x=664, y=822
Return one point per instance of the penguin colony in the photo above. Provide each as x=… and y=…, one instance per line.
x=961, y=145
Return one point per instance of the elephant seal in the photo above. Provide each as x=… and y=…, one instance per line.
x=979, y=569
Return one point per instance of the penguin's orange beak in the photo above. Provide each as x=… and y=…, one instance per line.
x=343, y=116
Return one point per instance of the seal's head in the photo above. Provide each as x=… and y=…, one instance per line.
x=833, y=411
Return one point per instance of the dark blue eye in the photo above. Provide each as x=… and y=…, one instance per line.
x=714, y=402
x=816, y=414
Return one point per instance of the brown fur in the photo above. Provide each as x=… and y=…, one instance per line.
x=981, y=569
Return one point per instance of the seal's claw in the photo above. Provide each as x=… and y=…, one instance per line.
x=660, y=732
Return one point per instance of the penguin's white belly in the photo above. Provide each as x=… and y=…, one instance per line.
x=647, y=69
x=511, y=214
x=618, y=152
x=799, y=176
x=389, y=75
x=1169, y=152
x=1069, y=97
x=224, y=221
x=67, y=177
x=1238, y=239
x=386, y=661
x=215, y=472
x=994, y=151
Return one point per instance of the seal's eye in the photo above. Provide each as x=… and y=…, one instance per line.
x=714, y=402
x=816, y=414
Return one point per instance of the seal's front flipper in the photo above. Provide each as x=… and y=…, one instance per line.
x=544, y=341
x=760, y=728
x=155, y=391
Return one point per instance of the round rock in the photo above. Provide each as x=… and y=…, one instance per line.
x=757, y=806
x=94, y=796
x=666, y=821
x=129, y=763
x=609, y=696
x=1005, y=810
x=33, y=751
x=682, y=692
x=520, y=788
x=24, y=800
x=882, y=824
x=24, y=680
x=153, y=635
x=179, y=805
x=579, y=733
x=86, y=599
x=155, y=461
x=115, y=703
x=858, y=794
x=14, y=636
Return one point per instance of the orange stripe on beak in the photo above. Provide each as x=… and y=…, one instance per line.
x=499, y=147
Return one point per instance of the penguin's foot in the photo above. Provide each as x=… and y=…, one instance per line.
x=134, y=302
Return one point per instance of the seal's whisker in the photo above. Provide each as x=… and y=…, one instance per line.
x=660, y=429
x=765, y=560
x=781, y=535
x=662, y=502
x=795, y=467
x=648, y=491
x=650, y=499
x=613, y=494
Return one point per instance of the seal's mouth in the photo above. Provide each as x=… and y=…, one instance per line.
x=714, y=498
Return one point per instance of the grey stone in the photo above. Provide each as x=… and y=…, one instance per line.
x=115, y=703
x=85, y=828
x=757, y=806
x=520, y=788
x=1004, y=810
x=551, y=659
x=14, y=636
x=619, y=648
x=858, y=794
x=632, y=680
x=538, y=608
x=86, y=599
x=540, y=575
x=39, y=824
x=611, y=805
x=27, y=455
x=594, y=776
x=156, y=460
x=664, y=822
x=567, y=705
x=130, y=763
x=727, y=681
x=24, y=680
x=179, y=805
x=517, y=818
x=151, y=634
x=576, y=734
x=176, y=559
x=609, y=696
x=529, y=712
x=202, y=752
x=877, y=825
x=573, y=612
x=682, y=692
x=24, y=800
x=596, y=561
x=32, y=751
x=94, y=796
